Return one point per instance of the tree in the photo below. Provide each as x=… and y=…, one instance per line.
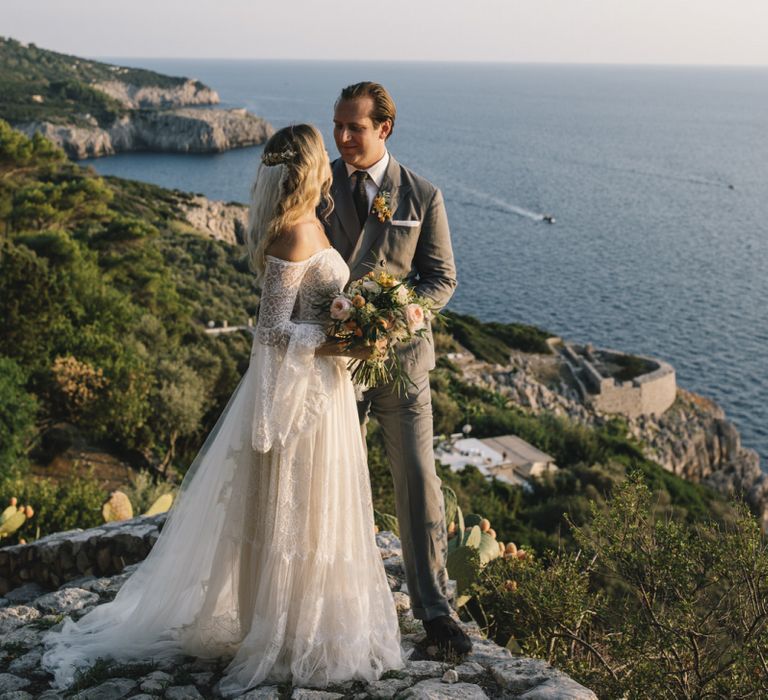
x=17, y=417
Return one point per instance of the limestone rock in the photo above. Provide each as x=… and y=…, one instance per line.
x=485, y=652
x=389, y=544
x=151, y=96
x=267, y=692
x=10, y=682
x=113, y=689
x=156, y=682
x=15, y=616
x=469, y=671
x=421, y=669
x=24, y=665
x=402, y=601
x=183, y=692
x=219, y=220
x=16, y=695
x=536, y=680
x=65, y=600
x=433, y=689
x=385, y=689
x=306, y=694
x=182, y=130
x=451, y=676
x=25, y=593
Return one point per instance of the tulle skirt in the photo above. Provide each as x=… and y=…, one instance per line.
x=267, y=558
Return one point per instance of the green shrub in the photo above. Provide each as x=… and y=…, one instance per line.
x=75, y=503
x=651, y=606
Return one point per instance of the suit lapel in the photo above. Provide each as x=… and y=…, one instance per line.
x=344, y=206
x=374, y=229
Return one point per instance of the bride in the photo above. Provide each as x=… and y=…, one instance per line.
x=268, y=555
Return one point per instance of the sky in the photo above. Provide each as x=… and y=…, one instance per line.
x=527, y=31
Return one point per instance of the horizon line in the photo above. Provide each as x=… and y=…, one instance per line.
x=609, y=64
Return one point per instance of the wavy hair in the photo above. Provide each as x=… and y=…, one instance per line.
x=293, y=179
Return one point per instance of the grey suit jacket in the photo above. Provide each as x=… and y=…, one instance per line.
x=419, y=253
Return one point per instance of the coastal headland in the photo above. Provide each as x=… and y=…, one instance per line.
x=93, y=109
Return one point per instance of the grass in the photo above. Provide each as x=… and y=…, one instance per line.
x=44, y=623
x=103, y=669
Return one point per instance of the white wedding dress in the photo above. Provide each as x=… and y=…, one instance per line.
x=268, y=556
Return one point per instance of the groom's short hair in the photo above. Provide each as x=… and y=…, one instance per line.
x=383, y=104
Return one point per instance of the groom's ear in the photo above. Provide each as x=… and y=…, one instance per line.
x=384, y=129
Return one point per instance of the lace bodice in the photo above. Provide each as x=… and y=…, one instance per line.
x=297, y=292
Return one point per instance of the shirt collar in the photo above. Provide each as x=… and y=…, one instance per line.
x=376, y=171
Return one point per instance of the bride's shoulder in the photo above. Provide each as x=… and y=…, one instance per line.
x=297, y=242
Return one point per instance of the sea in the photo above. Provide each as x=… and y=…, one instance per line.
x=656, y=177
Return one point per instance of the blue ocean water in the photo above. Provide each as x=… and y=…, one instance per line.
x=657, y=177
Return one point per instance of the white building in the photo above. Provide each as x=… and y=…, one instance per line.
x=507, y=457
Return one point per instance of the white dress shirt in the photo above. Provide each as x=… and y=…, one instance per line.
x=375, y=176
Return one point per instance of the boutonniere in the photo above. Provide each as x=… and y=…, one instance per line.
x=381, y=206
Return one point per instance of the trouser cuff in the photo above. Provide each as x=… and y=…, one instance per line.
x=431, y=612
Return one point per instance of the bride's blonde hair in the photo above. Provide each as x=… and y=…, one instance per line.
x=293, y=178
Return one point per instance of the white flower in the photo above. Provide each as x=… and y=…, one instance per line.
x=341, y=308
x=401, y=294
x=371, y=285
x=414, y=317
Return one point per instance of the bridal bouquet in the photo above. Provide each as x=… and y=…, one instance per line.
x=373, y=309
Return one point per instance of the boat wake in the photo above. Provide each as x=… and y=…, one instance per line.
x=483, y=200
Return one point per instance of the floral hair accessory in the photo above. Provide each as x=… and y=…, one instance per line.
x=381, y=206
x=279, y=158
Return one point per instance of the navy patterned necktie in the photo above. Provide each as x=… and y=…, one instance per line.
x=360, y=196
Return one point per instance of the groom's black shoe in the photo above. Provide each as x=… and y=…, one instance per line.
x=447, y=635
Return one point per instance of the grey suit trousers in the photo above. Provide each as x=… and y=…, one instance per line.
x=406, y=425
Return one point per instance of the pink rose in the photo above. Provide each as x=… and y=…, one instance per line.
x=414, y=317
x=341, y=308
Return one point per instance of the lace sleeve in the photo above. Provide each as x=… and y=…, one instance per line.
x=280, y=287
x=291, y=384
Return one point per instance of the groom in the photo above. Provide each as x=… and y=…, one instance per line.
x=414, y=244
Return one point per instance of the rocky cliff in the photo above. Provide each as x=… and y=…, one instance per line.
x=92, y=108
x=693, y=438
x=190, y=92
x=173, y=131
x=224, y=221
x=70, y=573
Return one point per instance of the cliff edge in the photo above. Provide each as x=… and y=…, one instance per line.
x=92, y=109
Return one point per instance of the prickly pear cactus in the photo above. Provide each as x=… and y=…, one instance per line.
x=451, y=504
x=488, y=548
x=472, y=537
x=385, y=521
x=117, y=507
x=463, y=564
x=13, y=522
x=472, y=519
x=162, y=504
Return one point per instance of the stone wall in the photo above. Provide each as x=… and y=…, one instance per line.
x=649, y=394
x=64, y=556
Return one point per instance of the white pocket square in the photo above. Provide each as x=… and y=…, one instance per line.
x=403, y=222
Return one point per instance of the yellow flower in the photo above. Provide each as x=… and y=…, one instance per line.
x=386, y=280
x=381, y=206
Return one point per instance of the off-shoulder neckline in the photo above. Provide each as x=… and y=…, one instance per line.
x=299, y=262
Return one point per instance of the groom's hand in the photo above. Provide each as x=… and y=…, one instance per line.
x=333, y=346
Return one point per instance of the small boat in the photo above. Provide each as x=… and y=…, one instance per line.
x=548, y=218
